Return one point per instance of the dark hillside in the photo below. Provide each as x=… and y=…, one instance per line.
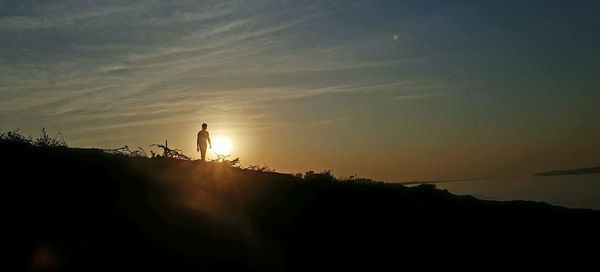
x=84, y=209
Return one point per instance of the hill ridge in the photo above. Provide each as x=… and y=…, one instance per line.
x=84, y=208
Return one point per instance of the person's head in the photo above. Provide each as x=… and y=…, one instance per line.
x=204, y=126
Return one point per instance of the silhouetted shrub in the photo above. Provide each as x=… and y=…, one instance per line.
x=14, y=137
x=263, y=168
x=125, y=151
x=364, y=181
x=356, y=179
x=222, y=159
x=323, y=176
x=169, y=153
x=44, y=140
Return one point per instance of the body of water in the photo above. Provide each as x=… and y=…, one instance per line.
x=577, y=191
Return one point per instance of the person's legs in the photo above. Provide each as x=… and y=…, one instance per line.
x=203, y=152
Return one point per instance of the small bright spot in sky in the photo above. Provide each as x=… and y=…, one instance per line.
x=222, y=145
x=395, y=37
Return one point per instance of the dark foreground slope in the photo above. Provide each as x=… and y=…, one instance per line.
x=76, y=209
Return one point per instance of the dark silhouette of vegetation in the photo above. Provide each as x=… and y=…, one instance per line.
x=71, y=209
x=125, y=151
x=222, y=159
x=44, y=140
x=263, y=168
x=323, y=176
x=14, y=137
x=169, y=153
x=578, y=171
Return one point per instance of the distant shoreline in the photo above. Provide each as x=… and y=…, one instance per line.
x=570, y=172
x=417, y=182
x=578, y=171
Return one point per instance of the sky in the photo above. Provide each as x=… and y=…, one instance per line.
x=388, y=90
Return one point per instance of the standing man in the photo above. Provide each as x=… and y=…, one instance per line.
x=203, y=137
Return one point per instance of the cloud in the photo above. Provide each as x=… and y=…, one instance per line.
x=419, y=96
x=113, y=64
x=60, y=16
x=327, y=122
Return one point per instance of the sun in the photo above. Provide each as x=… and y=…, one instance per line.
x=221, y=145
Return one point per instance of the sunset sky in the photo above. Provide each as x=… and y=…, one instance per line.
x=389, y=90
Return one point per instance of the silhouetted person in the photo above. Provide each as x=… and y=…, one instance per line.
x=203, y=137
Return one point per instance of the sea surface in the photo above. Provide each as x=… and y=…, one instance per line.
x=573, y=191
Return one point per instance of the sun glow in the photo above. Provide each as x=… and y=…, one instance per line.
x=222, y=145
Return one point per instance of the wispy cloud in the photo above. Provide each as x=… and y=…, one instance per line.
x=61, y=16
x=419, y=96
x=328, y=122
x=130, y=63
x=188, y=71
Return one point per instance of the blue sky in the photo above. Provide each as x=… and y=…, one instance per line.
x=392, y=90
